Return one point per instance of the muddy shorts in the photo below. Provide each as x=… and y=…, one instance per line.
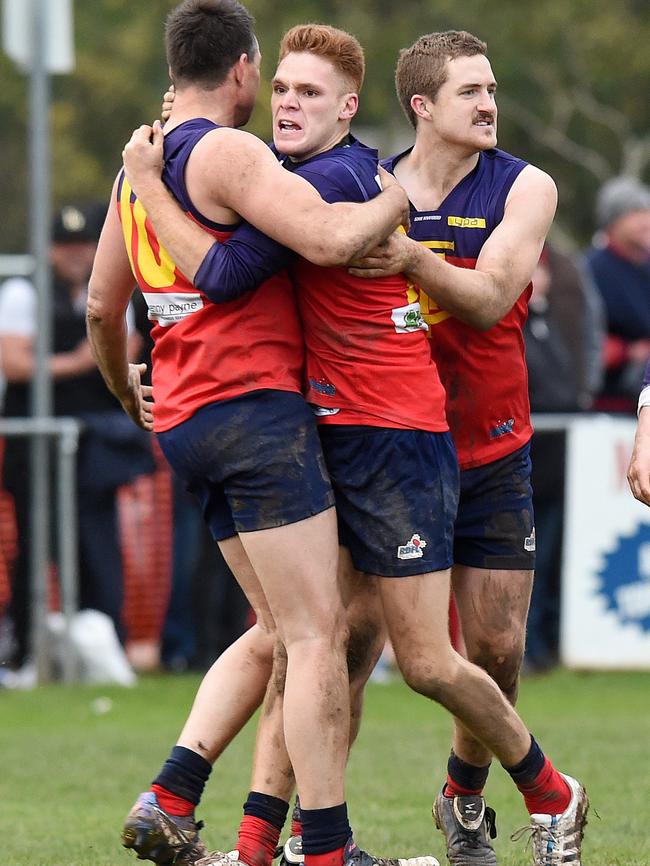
x=495, y=527
x=253, y=462
x=396, y=496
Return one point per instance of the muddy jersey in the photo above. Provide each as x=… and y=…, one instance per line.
x=367, y=359
x=205, y=352
x=484, y=372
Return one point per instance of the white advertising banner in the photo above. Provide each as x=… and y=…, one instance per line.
x=605, y=621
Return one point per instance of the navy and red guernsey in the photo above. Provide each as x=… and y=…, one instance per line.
x=202, y=352
x=484, y=372
x=367, y=359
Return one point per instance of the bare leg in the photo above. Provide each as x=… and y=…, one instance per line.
x=492, y=607
x=233, y=688
x=296, y=565
x=416, y=612
x=272, y=771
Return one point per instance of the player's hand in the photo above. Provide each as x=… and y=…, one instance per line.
x=389, y=182
x=393, y=256
x=638, y=473
x=168, y=103
x=136, y=400
x=143, y=156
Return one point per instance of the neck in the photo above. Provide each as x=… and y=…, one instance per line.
x=216, y=105
x=335, y=139
x=438, y=165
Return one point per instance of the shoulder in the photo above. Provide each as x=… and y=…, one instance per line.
x=351, y=170
x=232, y=144
x=17, y=307
x=535, y=185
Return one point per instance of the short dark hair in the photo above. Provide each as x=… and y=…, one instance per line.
x=422, y=68
x=205, y=38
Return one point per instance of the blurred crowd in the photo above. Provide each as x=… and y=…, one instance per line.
x=587, y=343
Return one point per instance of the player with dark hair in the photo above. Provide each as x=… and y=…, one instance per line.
x=230, y=417
x=352, y=376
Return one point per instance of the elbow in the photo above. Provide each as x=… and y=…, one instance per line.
x=340, y=250
x=99, y=314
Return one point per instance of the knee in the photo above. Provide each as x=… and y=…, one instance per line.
x=501, y=657
x=432, y=678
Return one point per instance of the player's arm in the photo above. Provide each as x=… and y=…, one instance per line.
x=483, y=296
x=109, y=292
x=237, y=171
x=638, y=473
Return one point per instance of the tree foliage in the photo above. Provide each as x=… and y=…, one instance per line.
x=573, y=89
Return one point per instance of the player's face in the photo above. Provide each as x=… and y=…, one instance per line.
x=311, y=104
x=465, y=110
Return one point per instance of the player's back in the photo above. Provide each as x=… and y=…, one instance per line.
x=366, y=341
x=484, y=372
x=203, y=352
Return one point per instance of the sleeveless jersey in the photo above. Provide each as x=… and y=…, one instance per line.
x=367, y=351
x=484, y=372
x=205, y=352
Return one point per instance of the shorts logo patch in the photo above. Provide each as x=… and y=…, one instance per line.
x=413, y=549
x=529, y=542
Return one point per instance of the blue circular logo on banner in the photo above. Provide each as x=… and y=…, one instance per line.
x=625, y=579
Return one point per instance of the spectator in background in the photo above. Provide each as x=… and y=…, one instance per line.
x=112, y=451
x=563, y=337
x=619, y=263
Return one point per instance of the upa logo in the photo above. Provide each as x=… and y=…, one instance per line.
x=413, y=549
x=625, y=579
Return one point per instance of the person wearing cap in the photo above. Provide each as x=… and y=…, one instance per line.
x=619, y=263
x=78, y=391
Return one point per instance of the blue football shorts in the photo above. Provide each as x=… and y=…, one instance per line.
x=253, y=462
x=495, y=527
x=396, y=496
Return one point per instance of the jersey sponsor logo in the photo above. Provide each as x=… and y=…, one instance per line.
x=322, y=386
x=433, y=217
x=166, y=308
x=413, y=549
x=529, y=542
x=408, y=318
x=460, y=222
x=502, y=427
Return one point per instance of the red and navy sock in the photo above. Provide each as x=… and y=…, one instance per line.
x=179, y=785
x=464, y=779
x=296, y=823
x=545, y=791
x=259, y=831
x=324, y=835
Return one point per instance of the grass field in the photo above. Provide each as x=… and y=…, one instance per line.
x=68, y=774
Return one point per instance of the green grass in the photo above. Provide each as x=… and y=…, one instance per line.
x=69, y=775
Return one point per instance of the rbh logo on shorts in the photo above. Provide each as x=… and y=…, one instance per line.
x=412, y=549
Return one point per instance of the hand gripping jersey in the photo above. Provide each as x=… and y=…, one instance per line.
x=367, y=352
x=205, y=352
x=484, y=372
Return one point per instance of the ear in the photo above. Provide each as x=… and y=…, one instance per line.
x=239, y=69
x=421, y=106
x=169, y=72
x=350, y=106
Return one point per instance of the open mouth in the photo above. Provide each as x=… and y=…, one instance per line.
x=288, y=126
